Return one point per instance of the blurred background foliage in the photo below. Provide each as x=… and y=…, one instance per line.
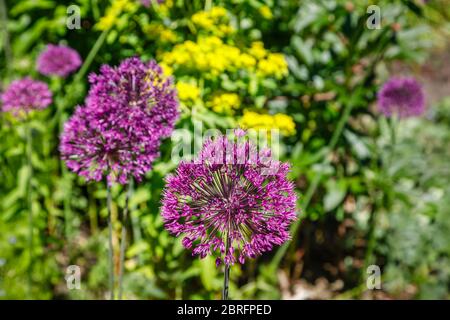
x=308, y=68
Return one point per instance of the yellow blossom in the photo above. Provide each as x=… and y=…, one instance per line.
x=274, y=65
x=187, y=91
x=211, y=56
x=266, y=12
x=214, y=21
x=167, y=70
x=257, y=50
x=218, y=12
x=202, y=19
x=159, y=32
x=117, y=8
x=280, y=121
x=208, y=54
x=225, y=103
x=247, y=61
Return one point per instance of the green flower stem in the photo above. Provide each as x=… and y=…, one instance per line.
x=123, y=239
x=91, y=55
x=29, y=150
x=110, y=242
x=226, y=278
x=373, y=220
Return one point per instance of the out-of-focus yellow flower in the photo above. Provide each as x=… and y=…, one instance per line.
x=285, y=123
x=212, y=57
x=187, y=91
x=257, y=50
x=202, y=19
x=214, y=21
x=218, y=12
x=274, y=65
x=224, y=29
x=209, y=55
x=167, y=70
x=168, y=35
x=266, y=12
x=117, y=8
x=280, y=121
x=225, y=103
x=159, y=32
x=162, y=8
x=247, y=61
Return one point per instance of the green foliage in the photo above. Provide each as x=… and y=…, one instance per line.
x=334, y=60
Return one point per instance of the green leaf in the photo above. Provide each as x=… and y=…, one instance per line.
x=303, y=49
x=336, y=192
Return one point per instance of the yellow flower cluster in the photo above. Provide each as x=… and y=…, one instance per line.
x=167, y=70
x=253, y=120
x=187, y=91
x=113, y=13
x=269, y=64
x=163, y=8
x=214, y=21
x=225, y=103
x=160, y=33
x=212, y=56
x=208, y=54
x=266, y=12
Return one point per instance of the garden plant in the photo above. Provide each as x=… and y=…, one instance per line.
x=239, y=149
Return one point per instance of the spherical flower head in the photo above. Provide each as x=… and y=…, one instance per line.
x=58, y=60
x=25, y=95
x=403, y=97
x=107, y=141
x=118, y=133
x=232, y=200
x=135, y=84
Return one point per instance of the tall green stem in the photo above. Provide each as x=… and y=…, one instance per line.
x=29, y=147
x=123, y=239
x=91, y=55
x=110, y=242
x=371, y=239
x=226, y=281
x=226, y=278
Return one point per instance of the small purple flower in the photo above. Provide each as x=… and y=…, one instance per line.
x=25, y=95
x=58, y=60
x=401, y=96
x=226, y=201
x=118, y=133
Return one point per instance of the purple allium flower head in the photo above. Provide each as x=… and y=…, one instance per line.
x=118, y=133
x=232, y=199
x=25, y=95
x=58, y=60
x=401, y=96
x=135, y=84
